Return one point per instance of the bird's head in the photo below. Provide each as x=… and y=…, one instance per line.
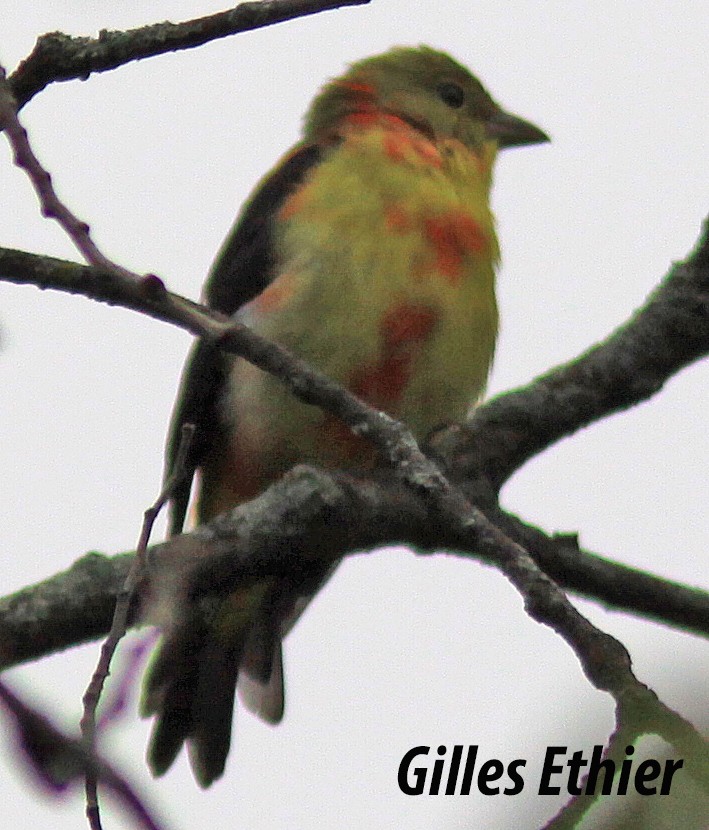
x=428, y=90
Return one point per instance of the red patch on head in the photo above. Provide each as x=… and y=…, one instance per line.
x=359, y=88
x=396, y=144
x=428, y=151
x=402, y=142
x=453, y=235
x=363, y=119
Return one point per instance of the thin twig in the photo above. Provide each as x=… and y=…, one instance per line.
x=51, y=205
x=571, y=814
x=119, y=625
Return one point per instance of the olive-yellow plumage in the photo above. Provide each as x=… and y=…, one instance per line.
x=370, y=251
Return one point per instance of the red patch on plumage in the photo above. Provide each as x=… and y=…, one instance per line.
x=359, y=88
x=367, y=116
x=363, y=119
x=453, y=235
x=294, y=203
x=229, y=478
x=397, y=220
x=350, y=447
x=396, y=144
x=406, y=324
x=275, y=295
x=402, y=142
x=402, y=331
x=428, y=151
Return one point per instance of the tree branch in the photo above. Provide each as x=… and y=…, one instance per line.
x=304, y=523
x=51, y=205
x=603, y=580
x=60, y=57
x=501, y=430
x=68, y=609
x=307, y=520
x=670, y=331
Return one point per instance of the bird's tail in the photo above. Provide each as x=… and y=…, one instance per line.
x=191, y=682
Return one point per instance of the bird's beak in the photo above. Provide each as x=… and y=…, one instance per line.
x=511, y=131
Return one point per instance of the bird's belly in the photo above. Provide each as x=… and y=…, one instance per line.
x=421, y=356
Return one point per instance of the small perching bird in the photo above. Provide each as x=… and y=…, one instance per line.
x=369, y=251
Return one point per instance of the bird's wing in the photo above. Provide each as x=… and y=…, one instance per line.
x=191, y=683
x=245, y=265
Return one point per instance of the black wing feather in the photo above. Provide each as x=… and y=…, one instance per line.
x=244, y=266
x=191, y=685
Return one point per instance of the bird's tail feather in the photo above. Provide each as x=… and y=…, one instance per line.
x=191, y=683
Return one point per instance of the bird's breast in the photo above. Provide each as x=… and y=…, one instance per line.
x=386, y=283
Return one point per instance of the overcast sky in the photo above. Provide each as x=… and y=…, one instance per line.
x=398, y=651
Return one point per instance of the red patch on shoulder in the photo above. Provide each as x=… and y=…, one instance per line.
x=453, y=235
x=295, y=202
x=275, y=295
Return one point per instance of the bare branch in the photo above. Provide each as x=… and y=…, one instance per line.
x=670, y=331
x=219, y=556
x=59, y=57
x=119, y=625
x=51, y=205
x=677, y=604
x=601, y=579
x=264, y=538
x=70, y=608
x=322, y=515
x=393, y=440
x=213, y=561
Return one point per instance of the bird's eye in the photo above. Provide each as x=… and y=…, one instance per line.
x=452, y=95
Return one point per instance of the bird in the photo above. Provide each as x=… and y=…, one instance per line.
x=370, y=251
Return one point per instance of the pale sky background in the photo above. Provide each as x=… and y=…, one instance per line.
x=398, y=651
